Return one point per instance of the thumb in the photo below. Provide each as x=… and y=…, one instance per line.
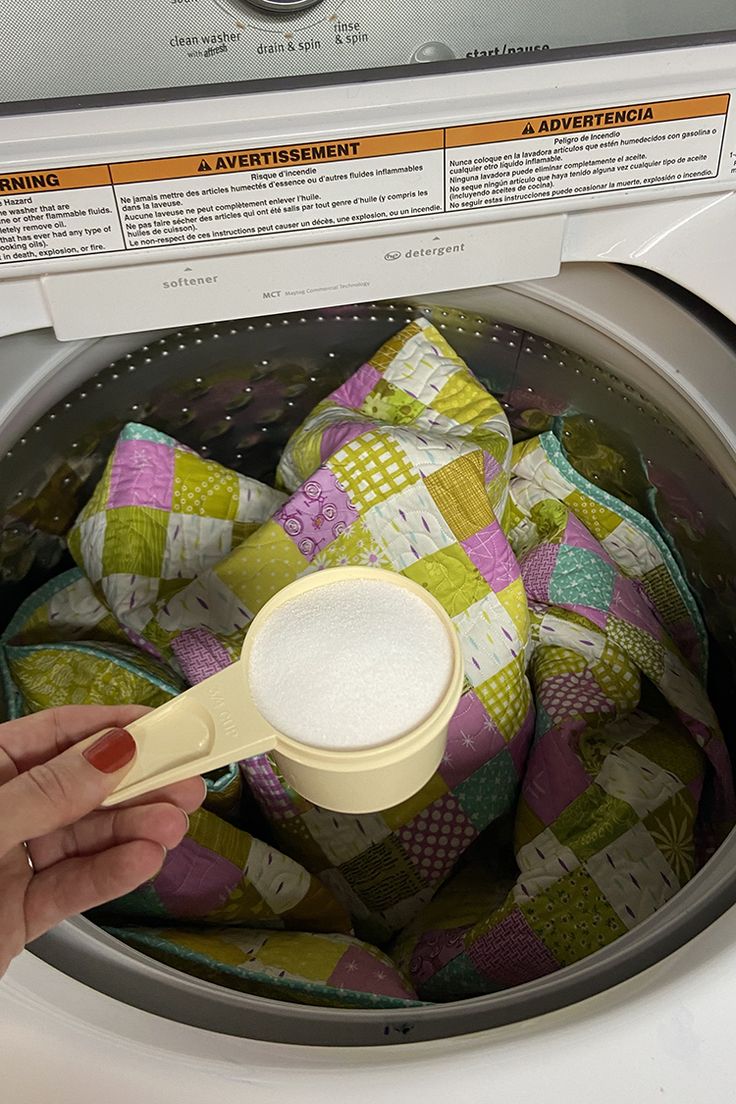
x=59, y=792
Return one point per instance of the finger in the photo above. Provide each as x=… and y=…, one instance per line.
x=56, y=793
x=106, y=828
x=188, y=795
x=78, y=884
x=34, y=739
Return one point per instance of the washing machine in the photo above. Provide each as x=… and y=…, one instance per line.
x=197, y=188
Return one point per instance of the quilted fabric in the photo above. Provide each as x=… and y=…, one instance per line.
x=227, y=877
x=583, y=712
x=335, y=970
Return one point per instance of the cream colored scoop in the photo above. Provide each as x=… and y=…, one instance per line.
x=217, y=722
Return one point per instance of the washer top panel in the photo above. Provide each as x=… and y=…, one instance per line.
x=89, y=47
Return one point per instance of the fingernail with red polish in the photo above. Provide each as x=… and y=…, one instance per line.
x=112, y=751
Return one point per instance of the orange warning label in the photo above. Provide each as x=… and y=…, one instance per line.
x=332, y=182
x=53, y=180
x=274, y=157
x=600, y=118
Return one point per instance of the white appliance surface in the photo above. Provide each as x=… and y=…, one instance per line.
x=667, y=1033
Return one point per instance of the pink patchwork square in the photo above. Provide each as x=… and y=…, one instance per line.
x=511, y=953
x=597, y=617
x=353, y=391
x=199, y=654
x=577, y=536
x=142, y=475
x=490, y=552
x=631, y=603
x=337, y=436
x=554, y=775
x=364, y=972
x=472, y=739
x=491, y=468
x=195, y=880
x=536, y=571
x=435, y=839
x=267, y=787
x=433, y=951
x=317, y=513
x=573, y=694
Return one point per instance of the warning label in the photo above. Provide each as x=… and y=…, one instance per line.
x=203, y=197
x=585, y=152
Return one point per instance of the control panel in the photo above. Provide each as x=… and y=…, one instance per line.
x=86, y=47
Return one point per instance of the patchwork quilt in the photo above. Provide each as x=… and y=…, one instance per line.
x=584, y=721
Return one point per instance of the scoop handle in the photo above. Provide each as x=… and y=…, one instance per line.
x=206, y=727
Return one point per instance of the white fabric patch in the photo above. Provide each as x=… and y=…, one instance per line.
x=131, y=598
x=342, y=837
x=194, y=544
x=281, y=882
x=634, y=876
x=631, y=550
x=486, y=647
x=636, y=780
x=409, y=526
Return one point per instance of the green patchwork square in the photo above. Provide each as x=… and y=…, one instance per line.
x=135, y=536
x=592, y=821
x=460, y=494
x=665, y=596
x=507, y=697
x=527, y=826
x=451, y=577
x=220, y=837
x=673, y=750
x=262, y=566
x=382, y=875
x=204, y=488
x=597, y=519
x=581, y=578
x=551, y=662
x=646, y=652
x=492, y=442
x=513, y=516
x=372, y=468
x=617, y=676
x=356, y=546
x=312, y=957
x=212, y=946
x=489, y=792
x=513, y=600
x=671, y=826
x=550, y=518
x=573, y=918
x=465, y=401
x=244, y=905
x=387, y=403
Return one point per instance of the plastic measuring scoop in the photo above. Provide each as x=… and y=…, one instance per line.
x=216, y=723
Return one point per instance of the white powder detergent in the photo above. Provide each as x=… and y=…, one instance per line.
x=350, y=665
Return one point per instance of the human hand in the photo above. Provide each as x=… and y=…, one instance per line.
x=61, y=854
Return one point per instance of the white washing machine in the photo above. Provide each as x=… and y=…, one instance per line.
x=555, y=188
